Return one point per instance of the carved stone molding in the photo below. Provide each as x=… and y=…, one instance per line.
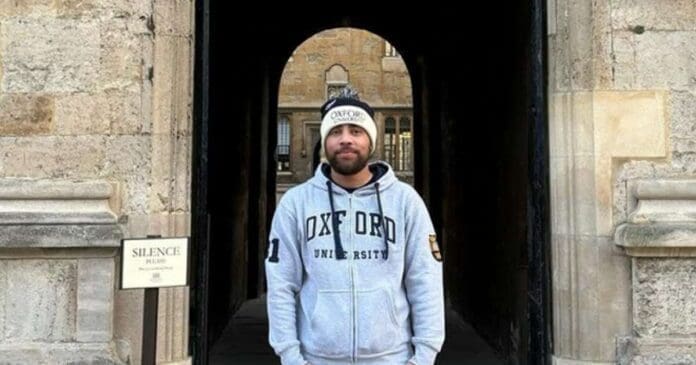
x=46, y=213
x=58, y=242
x=660, y=236
x=663, y=219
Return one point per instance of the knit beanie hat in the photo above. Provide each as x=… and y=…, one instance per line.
x=346, y=108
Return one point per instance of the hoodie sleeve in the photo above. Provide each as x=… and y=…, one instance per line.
x=423, y=281
x=284, y=272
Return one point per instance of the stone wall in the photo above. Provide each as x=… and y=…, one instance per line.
x=622, y=107
x=98, y=91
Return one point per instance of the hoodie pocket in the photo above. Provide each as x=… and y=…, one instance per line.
x=378, y=331
x=330, y=330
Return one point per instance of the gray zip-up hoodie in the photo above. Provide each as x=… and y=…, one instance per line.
x=340, y=291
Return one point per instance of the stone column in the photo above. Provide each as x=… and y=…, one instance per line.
x=660, y=237
x=170, y=201
x=58, y=243
x=594, y=127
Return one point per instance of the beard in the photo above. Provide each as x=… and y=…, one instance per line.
x=350, y=167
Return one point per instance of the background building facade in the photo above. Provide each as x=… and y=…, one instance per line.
x=322, y=66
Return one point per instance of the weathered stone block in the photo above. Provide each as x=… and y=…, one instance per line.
x=126, y=114
x=584, y=205
x=129, y=158
x=80, y=114
x=123, y=8
x=170, y=224
x=25, y=114
x=95, y=285
x=648, y=60
x=683, y=145
x=76, y=8
x=12, y=355
x=684, y=154
x=624, y=64
x=114, y=111
x=39, y=300
x=669, y=15
x=137, y=13
x=655, y=351
x=63, y=57
x=10, y=8
x=665, y=297
x=128, y=155
x=53, y=156
x=579, y=46
x=96, y=354
x=58, y=353
x=59, y=235
x=170, y=177
x=120, y=57
x=683, y=114
x=128, y=323
x=172, y=98
x=136, y=192
x=173, y=17
x=560, y=202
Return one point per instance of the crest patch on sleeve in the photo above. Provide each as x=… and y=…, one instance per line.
x=434, y=249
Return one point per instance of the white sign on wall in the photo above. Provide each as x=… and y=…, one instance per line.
x=154, y=262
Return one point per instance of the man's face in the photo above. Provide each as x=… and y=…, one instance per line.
x=347, y=149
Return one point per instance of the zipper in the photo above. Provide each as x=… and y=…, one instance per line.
x=354, y=317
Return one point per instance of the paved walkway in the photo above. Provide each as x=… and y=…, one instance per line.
x=245, y=341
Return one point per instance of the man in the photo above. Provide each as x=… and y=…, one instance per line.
x=353, y=269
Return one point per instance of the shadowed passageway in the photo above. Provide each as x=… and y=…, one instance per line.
x=245, y=341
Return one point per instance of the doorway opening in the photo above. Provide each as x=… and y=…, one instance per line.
x=475, y=153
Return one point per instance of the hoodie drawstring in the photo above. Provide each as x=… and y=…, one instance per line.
x=384, y=223
x=338, y=247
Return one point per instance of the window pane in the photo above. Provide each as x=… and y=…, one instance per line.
x=405, y=147
x=405, y=144
x=404, y=125
x=283, y=149
x=389, y=125
x=390, y=141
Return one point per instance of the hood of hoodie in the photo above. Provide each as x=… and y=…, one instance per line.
x=385, y=181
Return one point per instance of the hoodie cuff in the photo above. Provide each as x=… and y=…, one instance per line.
x=425, y=355
x=292, y=356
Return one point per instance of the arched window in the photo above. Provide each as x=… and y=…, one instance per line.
x=336, y=80
x=283, y=149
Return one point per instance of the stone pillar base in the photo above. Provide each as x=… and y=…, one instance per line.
x=656, y=350
x=562, y=361
x=660, y=236
x=63, y=353
x=180, y=362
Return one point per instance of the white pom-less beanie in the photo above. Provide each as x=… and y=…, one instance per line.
x=348, y=110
